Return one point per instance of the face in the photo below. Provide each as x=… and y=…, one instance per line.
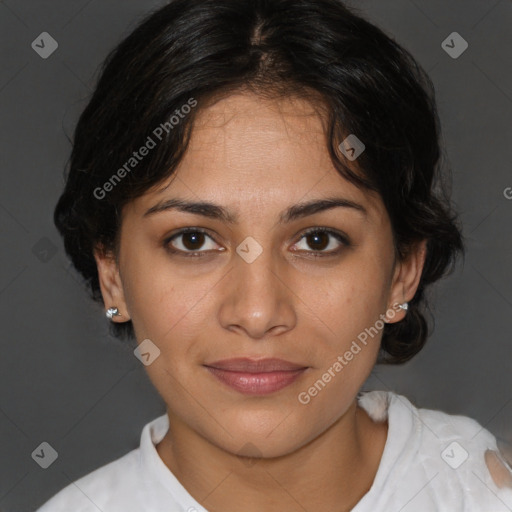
x=258, y=276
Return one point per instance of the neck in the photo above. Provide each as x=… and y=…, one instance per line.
x=332, y=472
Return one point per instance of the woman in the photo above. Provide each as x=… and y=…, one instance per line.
x=255, y=196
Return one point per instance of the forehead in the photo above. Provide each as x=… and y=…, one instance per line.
x=243, y=108
x=247, y=131
x=245, y=149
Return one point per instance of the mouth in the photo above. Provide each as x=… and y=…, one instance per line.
x=256, y=377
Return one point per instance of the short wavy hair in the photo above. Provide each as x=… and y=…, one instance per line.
x=319, y=50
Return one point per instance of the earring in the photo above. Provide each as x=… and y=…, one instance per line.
x=403, y=306
x=111, y=312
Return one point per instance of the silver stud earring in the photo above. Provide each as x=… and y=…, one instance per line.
x=404, y=306
x=111, y=312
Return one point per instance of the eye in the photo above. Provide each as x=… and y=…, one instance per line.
x=189, y=241
x=323, y=242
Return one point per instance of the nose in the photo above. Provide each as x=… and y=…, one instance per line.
x=257, y=300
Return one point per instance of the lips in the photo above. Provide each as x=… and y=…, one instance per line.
x=256, y=377
x=248, y=365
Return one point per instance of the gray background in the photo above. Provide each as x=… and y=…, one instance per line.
x=63, y=380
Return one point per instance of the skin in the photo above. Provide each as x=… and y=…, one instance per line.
x=256, y=158
x=500, y=473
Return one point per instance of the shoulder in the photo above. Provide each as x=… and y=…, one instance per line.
x=95, y=490
x=460, y=457
x=436, y=460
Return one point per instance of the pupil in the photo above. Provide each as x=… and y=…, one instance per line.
x=195, y=238
x=317, y=240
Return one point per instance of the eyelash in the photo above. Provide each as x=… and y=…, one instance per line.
x=199, y=254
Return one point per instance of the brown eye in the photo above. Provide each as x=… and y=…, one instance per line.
x=191, y=242
x=322, y=242
x=318, y=241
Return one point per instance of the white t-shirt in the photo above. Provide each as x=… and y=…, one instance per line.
x=432, y=461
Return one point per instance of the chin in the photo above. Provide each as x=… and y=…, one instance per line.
x=263, y=435
x=255, y=446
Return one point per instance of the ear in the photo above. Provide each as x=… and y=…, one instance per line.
x=110, y=283
x=406, y=279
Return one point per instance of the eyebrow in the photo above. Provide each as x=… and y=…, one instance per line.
x=215, y=211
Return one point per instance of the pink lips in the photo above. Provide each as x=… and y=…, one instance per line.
x=256, y=377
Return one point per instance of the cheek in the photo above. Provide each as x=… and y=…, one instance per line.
x=350, y=307
x=349, y=302
x=161, y=300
